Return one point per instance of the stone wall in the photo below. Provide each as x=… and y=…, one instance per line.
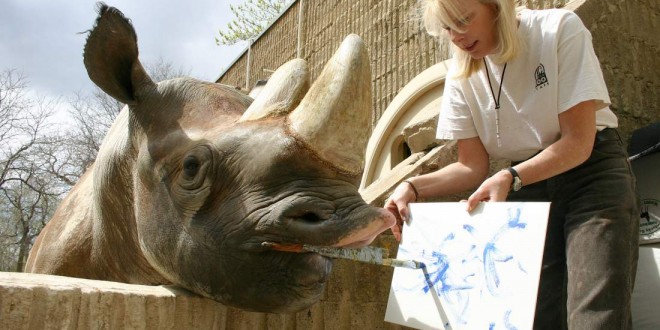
x=626, y=37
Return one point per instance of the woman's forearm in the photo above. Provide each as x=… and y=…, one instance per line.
x=467, y=173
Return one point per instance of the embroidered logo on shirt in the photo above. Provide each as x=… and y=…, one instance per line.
x=541, y=78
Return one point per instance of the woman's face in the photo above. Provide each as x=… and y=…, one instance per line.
x=479, y=36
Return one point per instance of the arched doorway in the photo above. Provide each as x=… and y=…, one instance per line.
x=404, y=137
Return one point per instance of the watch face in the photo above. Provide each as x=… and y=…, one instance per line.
x=517, y=184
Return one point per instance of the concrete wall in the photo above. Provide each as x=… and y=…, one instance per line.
x=32, y=301
x=355, y=298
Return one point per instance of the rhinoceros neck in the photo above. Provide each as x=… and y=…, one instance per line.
x=115, y=240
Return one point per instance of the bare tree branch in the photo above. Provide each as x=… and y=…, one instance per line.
x=25, y=187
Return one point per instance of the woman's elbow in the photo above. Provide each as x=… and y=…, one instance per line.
x=478, y=173
x=582, y=148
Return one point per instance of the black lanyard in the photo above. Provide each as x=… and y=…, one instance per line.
x=499, y=93
x=496, y=100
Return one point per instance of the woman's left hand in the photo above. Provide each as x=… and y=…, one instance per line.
x=493, y=189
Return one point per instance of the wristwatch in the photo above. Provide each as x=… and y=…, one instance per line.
x=517, y=183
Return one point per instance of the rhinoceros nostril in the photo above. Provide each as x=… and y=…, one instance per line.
x=309, y=217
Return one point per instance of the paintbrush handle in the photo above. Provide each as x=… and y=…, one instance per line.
x=367, y=254
x=402, y=263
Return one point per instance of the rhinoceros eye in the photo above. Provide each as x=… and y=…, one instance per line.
x=194, y=167
x=191, y=166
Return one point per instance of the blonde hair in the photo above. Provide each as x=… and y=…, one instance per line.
x=438, y=15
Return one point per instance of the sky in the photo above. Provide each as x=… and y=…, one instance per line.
x=43, y=39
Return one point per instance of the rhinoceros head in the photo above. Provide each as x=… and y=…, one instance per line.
x=213, y=174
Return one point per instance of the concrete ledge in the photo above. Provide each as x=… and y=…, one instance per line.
x=355, y=298
x=34, y=301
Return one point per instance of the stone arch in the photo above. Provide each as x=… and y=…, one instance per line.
x=407, y=127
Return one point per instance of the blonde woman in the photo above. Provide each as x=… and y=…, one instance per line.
x=528, y=87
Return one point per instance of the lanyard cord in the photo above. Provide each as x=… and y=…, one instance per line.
x=496, y=100
x=499, y=93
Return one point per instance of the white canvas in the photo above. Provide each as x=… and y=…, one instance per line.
x=481, y=268
x=646, y=294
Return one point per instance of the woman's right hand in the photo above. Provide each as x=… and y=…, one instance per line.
x=397, y=203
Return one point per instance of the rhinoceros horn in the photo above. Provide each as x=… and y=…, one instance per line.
x=334, y=117
x=284, y=90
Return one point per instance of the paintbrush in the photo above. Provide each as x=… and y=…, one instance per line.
x=367, y=254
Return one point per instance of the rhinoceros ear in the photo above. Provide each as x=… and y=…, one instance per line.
x=334, y=118
x=111, y=56
x=284, y=90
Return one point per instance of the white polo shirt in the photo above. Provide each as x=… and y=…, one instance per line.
x=556, y=70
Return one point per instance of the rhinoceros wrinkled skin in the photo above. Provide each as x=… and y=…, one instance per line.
x=194, y=176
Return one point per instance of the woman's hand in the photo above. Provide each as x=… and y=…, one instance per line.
x=403, y=194
x=494, y=189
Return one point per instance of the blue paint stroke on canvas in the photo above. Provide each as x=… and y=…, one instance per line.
x=473, y=262
x=492, y=255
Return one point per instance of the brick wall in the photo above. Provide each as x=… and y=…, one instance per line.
x=625, y=38
x=399, y=49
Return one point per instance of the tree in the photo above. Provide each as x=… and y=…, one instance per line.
x=23, y=121
x=31, y=206
x=250, y=19
x=40, y=164
x=160, y=70
x=26, y=189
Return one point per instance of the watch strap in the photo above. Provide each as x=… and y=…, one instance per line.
x=516, y=184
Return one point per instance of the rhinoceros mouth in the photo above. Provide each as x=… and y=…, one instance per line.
x=306, y=272
x=322, y=267
x=278, y=282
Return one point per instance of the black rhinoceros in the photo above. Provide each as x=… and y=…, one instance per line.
x=193, y=177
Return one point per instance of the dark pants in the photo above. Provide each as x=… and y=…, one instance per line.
x=591, y=246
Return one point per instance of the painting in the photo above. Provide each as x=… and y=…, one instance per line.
x=480, y=269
